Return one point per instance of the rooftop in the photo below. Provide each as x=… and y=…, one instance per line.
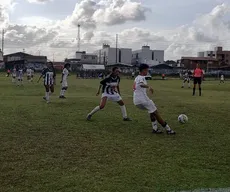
x=199, y=58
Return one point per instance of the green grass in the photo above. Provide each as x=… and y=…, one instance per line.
x=53, y=148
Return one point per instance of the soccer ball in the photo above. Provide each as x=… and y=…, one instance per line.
x=182, y=118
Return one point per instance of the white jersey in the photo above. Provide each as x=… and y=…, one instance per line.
x=65, y=74
x=14, y=73
x=20, y=74
x=29, y=72
x=222, y=77
x=139, y=93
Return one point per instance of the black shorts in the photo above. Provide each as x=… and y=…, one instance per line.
x=197, y=80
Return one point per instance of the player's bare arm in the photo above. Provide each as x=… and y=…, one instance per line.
x=39, y=78
x=147, y=87
x=62, y=77
x=99, y=89
x=118, y=89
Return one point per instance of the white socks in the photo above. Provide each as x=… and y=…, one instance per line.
x=123, y=111
x=154, y=125
x=62, y=92
x=47, y=96
x=96, y=109
x=167, y=127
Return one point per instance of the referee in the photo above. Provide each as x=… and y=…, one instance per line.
x=197, y=79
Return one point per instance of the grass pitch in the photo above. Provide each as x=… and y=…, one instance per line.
x=52, y=147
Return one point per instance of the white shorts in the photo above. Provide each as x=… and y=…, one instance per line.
x=115, y=97
x=187, y=79
x=64, y=84
x=148, y=105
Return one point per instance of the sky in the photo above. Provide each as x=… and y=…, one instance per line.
x=180, y=27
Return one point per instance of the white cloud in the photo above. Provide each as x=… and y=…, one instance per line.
x=59, y=37
x=39, y=1
x=90, y=14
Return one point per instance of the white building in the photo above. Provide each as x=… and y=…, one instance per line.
x=109, y=55
x=148, y=56
x=86, y=58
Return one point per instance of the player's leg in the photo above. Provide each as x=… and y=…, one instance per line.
x=154, y=124
x=189, y=83
x=183, y=83
x=63, y=90
x=123, y=110
x=47, y=94
x=97, y=108
x=199, y=84
x=194, y=85
x=163, y=123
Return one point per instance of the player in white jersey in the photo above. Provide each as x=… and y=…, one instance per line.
x=29, y=73
x=48, y=76
x=186, y=76
x=64, y=83
x=222, y=78
x=14, y=74
x=142, y=101
x=20, y=76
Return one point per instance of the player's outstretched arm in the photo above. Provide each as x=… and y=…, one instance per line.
x=39, y=78
x=99, y=89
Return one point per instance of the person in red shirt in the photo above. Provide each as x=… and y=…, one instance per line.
x=197, y=78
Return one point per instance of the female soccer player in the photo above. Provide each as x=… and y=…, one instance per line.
x=20, y=75
x=186, y=78
x=142, y=101
x=64, y=82
x=197, y=78
x=48, y=75
x=221, y=79
x=14, y=74
x=110, y=91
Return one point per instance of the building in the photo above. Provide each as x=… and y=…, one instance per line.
x=109, y=55
x=89, y=59
x=205, y=62
x=221, y=55
x=25, y=60
x=147, y=56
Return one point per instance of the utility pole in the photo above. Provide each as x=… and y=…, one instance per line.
x=79, y=37
x=116, y=46
x=3, y=39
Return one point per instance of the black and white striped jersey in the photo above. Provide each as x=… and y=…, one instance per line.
x=109, y=84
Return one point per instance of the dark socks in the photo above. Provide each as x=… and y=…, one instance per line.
x=194, y=90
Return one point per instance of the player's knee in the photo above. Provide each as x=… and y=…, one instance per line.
x=102, y=106
x=121, y=103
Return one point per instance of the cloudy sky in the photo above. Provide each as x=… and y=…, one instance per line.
x=180, y=27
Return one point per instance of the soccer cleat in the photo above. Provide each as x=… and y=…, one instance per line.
x=89, y=117
x=182, y=86
x=127, y=119
x=62, y=97
x=171, y=132
x=44, y=98
x=158, y=131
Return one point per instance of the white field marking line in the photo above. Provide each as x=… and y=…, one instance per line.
x=210, y=190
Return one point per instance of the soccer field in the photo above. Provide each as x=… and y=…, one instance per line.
x=51, y=147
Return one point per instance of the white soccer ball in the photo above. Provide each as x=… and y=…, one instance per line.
x=182, y=118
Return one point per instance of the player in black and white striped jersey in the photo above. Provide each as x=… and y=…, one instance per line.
x=48, y=75
x=110, y=91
